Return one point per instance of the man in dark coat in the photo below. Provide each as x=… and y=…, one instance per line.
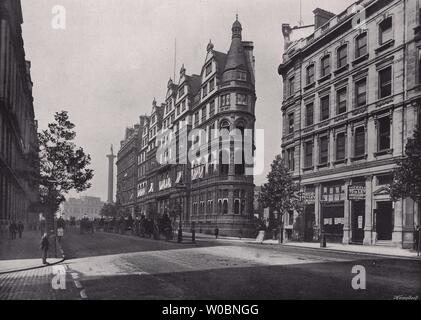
x=45, y=245
x=13, y=229
x=20, y=229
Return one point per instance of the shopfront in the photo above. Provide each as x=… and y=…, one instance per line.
x=356, y=196
x=332, y=206
x=309, y=217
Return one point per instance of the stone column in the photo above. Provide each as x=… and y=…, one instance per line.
x=111, y=158
x=332, y=148
x=397, y=228
x=397, y=132
x=368, y=228
x=347, y=215
x=371, y=138
x=316, y=152
x=317, y=211
x=349, y=136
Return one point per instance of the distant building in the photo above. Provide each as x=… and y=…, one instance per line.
x=90, y=206
x=19, y=161
x=351, y=100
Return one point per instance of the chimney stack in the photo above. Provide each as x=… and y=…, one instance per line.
x=321, y=17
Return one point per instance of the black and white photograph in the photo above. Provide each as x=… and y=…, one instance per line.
x=210, y=155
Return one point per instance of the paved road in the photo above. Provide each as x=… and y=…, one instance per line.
x=110, y=266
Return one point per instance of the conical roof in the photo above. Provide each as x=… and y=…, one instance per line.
x=236, y=57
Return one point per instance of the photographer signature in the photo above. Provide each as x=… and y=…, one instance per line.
x=404, y=297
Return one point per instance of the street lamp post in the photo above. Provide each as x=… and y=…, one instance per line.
x=322, y=232
x=180, y=228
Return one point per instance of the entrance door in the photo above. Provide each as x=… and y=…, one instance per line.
x=358, y=221
x=309, y=220
x=384, y=220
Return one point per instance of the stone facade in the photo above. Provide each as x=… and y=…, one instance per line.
x=19, y=162
x=351, y=100
x=78, y=208
x=206, y=192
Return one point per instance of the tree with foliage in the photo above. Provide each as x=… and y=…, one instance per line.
x=109, y=210
x=407, y=176
x=63, y=165
x=281, y=192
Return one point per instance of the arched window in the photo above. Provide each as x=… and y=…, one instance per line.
x=239, y=161
x=210, y=164
x=239, y=155
x=224, y=159
x=225, y=206
x=225, y=124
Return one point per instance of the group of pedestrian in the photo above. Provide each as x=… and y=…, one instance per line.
x=141, y=226
x=86, y=225
x=16, y=229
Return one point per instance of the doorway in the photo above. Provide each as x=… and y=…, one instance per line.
x=384, y=220
x=309, y=221
x=358, y=221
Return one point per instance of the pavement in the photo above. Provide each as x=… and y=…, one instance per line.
x=350, y=248
x=114, y=267
x=25, y=253
x=24, y=277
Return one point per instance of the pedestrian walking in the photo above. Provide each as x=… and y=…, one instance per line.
x=417, y=230
x=193, y=232
x=12, y=230
x=216, y=232
x=20, y=228
x=60, y=234
x=61, y=224
x=45, y=245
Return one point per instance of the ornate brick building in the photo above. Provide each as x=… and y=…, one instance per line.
x=351, y=100
x=206, y=192
x=19, y=163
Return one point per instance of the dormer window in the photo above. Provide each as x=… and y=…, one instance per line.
x=385, y=30
x=181, y=91
x=211, y=85
x=208, y=69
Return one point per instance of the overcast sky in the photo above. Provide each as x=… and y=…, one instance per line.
x=115, y=56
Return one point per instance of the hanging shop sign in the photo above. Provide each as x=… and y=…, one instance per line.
x=309, y=197
x=356, y=192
